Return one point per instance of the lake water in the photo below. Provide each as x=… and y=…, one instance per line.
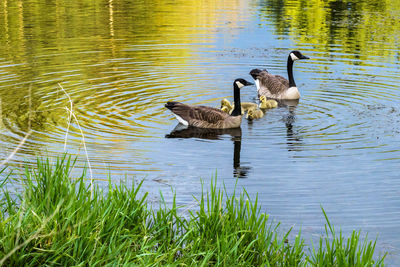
x=121, y=61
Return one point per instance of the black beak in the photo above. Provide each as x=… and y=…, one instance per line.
x=304, y=57
x=249, y=83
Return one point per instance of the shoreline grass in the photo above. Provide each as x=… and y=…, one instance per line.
x=60, y=221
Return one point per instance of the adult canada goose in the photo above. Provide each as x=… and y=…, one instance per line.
x=276, y=86
x=270, y=103
x=254, y=113
x=208, y=117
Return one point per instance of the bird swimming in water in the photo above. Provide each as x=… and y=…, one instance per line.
x=267, y=104
x=209, y=117
x=276, y=86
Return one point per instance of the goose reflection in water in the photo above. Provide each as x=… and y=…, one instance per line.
x=182, y=131
x=293, y=141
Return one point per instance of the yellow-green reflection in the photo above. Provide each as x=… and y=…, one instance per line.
x=118, y=60
x=364, y=28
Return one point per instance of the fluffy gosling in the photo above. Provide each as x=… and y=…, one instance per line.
x=226, y=109
x=254, y=114
x=248, y=105
x=225, y=103
x=267, y=104
x=230, y=106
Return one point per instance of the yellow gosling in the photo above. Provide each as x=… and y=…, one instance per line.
x=245, y=105
x=254, y=114
x=225, y=103
x=226, y=109
x=267, y=104
x=248, y=105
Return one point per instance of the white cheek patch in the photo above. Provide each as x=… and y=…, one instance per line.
x=182, y=121
x=293, y=56
x=239, y=84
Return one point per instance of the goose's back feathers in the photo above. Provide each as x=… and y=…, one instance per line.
x=269, y=85
x=282, y=79
x=203, y=116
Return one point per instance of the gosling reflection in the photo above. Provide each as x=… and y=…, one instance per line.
x=181, y=131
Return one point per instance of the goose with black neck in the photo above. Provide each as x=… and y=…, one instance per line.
x=276, y=86
x=209, y=117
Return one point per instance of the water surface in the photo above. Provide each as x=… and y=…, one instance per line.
x=120, y=61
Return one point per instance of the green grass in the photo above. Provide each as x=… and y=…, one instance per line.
x=58, y=221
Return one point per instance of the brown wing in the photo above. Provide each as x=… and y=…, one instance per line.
x=271, y=85
x=197, y=114
x=282, y=80
x=208, y=114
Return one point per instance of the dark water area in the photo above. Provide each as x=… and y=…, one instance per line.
x=121, y=61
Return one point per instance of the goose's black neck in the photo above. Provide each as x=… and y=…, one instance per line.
x=237, y=110
x=290, y=71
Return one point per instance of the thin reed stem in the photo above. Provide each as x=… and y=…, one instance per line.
x=84, y=147
x=69, y=118
x=21, y=143
x=72, y=114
